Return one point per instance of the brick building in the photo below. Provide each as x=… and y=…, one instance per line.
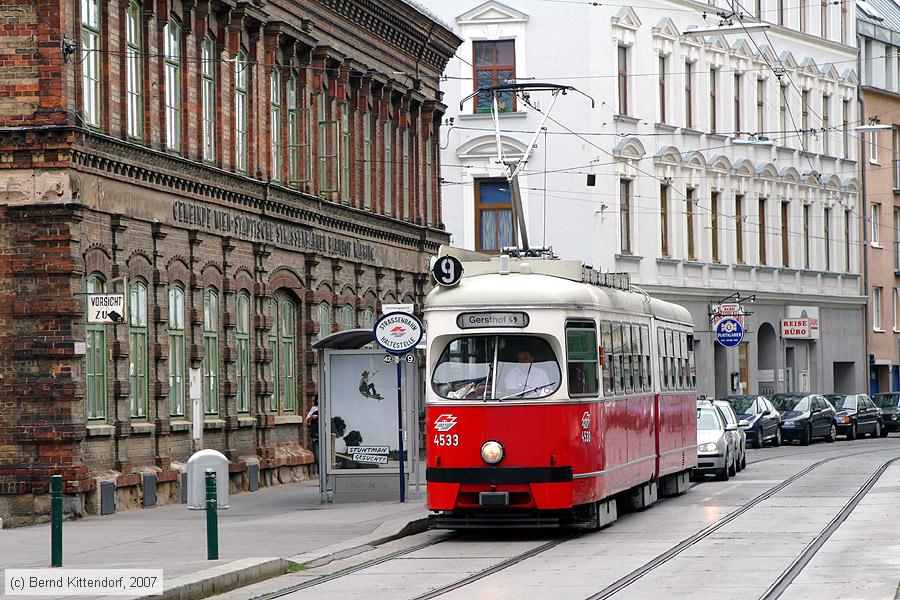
x=258, y=174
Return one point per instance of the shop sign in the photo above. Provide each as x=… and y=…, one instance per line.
x=808, y=313
x=800, y=329
x=728, y=310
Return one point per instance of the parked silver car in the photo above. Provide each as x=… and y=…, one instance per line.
x=715, y=454
x=738, y=435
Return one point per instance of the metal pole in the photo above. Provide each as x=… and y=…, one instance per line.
x=212, y=517
x=56, y=521
x=400, y=424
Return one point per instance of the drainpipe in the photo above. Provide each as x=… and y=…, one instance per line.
x=865, y=211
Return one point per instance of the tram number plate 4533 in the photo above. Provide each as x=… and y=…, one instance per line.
x=446, y=439
x=586, y=437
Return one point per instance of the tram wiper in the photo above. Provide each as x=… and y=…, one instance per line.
x=517, y=394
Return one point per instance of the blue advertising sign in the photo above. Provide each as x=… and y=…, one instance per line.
x=729, y=332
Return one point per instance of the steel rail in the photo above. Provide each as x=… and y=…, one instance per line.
x=677, y=549
x=780, y=585
x=354, y=569
x=495, y=568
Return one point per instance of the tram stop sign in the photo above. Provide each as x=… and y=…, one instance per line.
x=398, y=332
x=729, y=332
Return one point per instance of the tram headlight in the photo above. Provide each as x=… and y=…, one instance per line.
x=491, y=452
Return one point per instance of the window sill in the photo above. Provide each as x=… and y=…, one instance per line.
x=766, y=268
x=629, y=257
x=717, y=136
x=689, y=131
x=785, y=149
x=180, y=425
x=742, y=267
x=142, y=428
x=664, y=127
x=718, y=266
x=874, y=162
x=246, y=421
x=895, y=330
x=692, y=262
x=665, y=260
x=626, y=119
x=214, y=424
x=808, y=154
x=288, y=420
x=876, y=330
x=100, y=430
x=487, y=115
x=876, y=245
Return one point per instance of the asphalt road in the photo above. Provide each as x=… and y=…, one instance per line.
x=799, y=523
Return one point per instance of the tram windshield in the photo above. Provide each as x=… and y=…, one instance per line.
x=496, y=367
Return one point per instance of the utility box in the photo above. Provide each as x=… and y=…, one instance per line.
x=198, y=464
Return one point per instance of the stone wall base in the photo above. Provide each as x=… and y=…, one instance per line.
x=31, y=509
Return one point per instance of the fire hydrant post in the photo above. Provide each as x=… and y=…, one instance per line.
x=212, y=517
x=56, y=521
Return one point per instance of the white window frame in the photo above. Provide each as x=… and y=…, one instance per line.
x=91, y=102
x=134, y=84
x=275, y=122
x=876, y=309
x=208, y=98
x=241, y=76
x=172, y=72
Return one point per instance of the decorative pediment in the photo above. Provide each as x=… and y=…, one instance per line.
x=787, y=60
x=850, y=184
x=849, y=78
x=767, y=170
x=829, y=72
x=716, y=43
x=485, y=147
x=741, y=49
x=629, y=148
x=667, y=155
x=491, y=12
x=695, y=160
x=765, y=55
x=789, y=174
x=808, y=67
x=811, y=177
x=666, y=29
x=719, y=162
x=832, y=182
x=626, y=18
x=743, y=167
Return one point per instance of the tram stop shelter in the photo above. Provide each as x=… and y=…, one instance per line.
x=359, y=457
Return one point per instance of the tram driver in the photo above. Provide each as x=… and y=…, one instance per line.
x=524, y=379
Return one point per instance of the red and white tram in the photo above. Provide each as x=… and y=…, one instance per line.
x=553, y=391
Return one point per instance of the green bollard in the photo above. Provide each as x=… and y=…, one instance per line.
x=212, y=517
x=56, y=521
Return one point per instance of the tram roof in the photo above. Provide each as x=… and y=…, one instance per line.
x=493, y=290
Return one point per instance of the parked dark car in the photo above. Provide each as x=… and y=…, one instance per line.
x=805, y=417
x=889, y=403
x=763, y=420
x=856, y=415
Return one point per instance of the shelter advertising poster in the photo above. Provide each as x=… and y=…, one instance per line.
x=363, y=412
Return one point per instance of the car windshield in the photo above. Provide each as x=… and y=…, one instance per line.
x=707, y=420
x=885, y=400
x=842, y=402
x=496, y=367
x=788, y=402
x=742, y=405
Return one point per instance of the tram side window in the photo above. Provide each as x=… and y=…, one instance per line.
x=645, y=358
x=684, y=360
x=640, y=379
x=582, y=359
x=692, y=369
x=670, y=346
x=626, y=356
x=606, y=340
x=618, y=371
x=676, y=360
x=661, y=352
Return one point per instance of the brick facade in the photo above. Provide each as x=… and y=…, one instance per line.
x=353, y=228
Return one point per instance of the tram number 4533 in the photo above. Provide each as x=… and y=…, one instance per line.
x=446, y=439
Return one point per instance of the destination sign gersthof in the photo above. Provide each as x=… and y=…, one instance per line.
x=491, y=319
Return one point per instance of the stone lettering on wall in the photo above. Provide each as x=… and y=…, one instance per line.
x=258, y=229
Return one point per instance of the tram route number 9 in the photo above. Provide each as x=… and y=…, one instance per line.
x=446, y=439
x=447, y=270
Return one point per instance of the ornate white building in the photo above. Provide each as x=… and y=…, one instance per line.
x=710, y=164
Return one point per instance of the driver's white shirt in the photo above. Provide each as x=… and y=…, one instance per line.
x=525, y=376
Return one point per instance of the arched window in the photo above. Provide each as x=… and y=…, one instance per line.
x=137, y=342
x=273, y=371
x=95, y=359
x=323, y=316
x=243, y=352
x=347, y=318
x=176, y=351
x=288, y=355
x=367, y=318
x=211, y=352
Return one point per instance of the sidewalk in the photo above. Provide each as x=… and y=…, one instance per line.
x=269, y=526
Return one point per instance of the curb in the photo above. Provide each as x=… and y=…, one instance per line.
x=220, y=579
